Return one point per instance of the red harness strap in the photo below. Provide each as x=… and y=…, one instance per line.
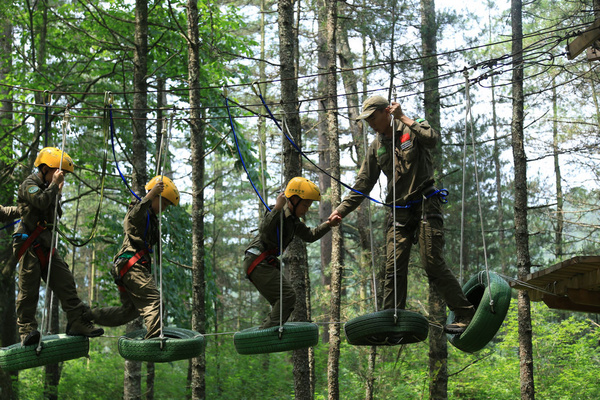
x=259, y=259
x=128, y=266
x=37, y=248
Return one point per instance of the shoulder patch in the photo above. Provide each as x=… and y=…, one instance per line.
x=419, y=120
x=33, y=189
x=381, y=151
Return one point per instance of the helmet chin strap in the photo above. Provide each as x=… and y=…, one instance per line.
x=294, y=205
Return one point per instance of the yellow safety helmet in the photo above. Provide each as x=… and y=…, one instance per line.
x=170, y=192
x=303, y=188
x=51, y=156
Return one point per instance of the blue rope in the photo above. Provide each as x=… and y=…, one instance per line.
x=442, y=193
x=11, y=224
x=240, y=153
x=112, y=140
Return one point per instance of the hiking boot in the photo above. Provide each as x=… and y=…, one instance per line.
x=88, y=314
x=32, y=337
x=459, y=325
x=81, y=327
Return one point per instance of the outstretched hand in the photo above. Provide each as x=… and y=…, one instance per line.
x=334, y=219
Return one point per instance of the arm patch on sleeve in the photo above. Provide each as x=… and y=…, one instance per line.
x=419, y=120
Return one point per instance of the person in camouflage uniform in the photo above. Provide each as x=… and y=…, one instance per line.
x=418, y=204
x=131, y=270
x=261, y=262
x=36, y=203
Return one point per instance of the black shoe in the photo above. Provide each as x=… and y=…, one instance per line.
x=32, y=337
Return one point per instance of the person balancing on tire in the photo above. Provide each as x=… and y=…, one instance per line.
x=261, y=262
x=131, y=269
x=418, y=205
x=32, y=239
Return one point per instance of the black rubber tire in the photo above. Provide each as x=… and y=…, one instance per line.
x=381, y=329
x=485, y=323
x=178, y=344
x=295, y=335
x=55, y=349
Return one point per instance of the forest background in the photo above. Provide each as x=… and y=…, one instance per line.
x=164, y=67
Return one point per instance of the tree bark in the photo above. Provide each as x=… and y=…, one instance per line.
x=337, y=246
x=558, y=239
x=197, y=154
x=295, y=254
x=438, y=347
x=133, y=369
x=8, y=331
x=520, y=207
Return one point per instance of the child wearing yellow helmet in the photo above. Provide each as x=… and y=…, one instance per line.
x=36, y=202
x=132, y=265
x=261, y=262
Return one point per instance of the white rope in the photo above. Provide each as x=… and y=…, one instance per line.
x=162, y=157
x=394, y=161
x=54, y=241
x=469, y=115
x=371, y=240
x=282, y=183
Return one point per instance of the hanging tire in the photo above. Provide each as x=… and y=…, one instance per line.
x=381, y=328
x=487, y=319
x=55, y=349
x=295, y=335
x=177, y=344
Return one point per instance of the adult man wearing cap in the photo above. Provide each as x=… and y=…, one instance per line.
x=418, y=204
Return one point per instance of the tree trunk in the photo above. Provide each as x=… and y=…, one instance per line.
x=438, y=347
x=520, y=207
x=8, y=331
x=324, y=159
x=133, y=369
x=337, y=246
x=197, y=150
x=295, y=254
x=52, y=371
x=558, y=239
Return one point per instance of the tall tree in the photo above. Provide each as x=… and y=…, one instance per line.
x=438, y=347
x=333, y=358
x=133, y=369
x=521, y=227
x=8, y=333
x=197, y=149
x=295, y=254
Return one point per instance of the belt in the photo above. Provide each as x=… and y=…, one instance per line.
x=261, y=257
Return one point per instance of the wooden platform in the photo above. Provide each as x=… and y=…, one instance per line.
x=574, y=284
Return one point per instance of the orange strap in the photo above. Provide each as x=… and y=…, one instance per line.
x=130, y=264
x=260, y=259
